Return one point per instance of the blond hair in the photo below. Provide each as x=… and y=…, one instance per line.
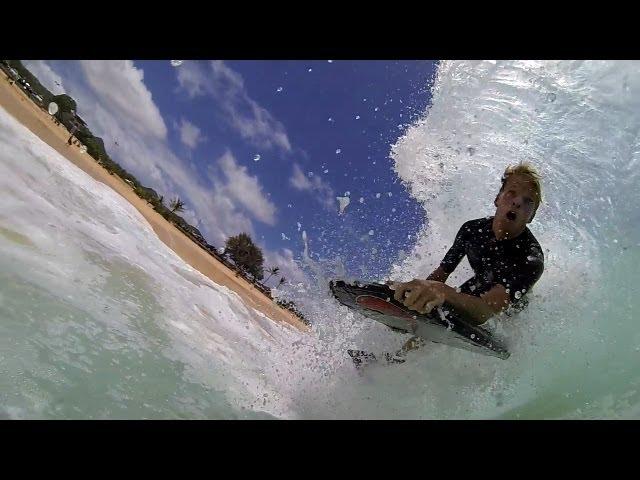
x=528, y=171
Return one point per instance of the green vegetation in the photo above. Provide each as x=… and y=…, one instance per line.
x=246, y=255
x=292, y=308
x=65, y=103
x=95, y=146
x=35, y=84
x=247, y=258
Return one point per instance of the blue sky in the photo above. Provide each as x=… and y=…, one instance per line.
x=264, y=147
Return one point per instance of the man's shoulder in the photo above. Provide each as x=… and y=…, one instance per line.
x=476, y=223
x=533, y=248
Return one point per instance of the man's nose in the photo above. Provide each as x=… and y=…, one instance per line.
x=517, y=202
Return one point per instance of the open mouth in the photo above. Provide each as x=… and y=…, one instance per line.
x=511, y=215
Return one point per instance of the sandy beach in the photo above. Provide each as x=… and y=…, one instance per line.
x=16, y=103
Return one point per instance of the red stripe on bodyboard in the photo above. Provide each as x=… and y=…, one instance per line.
x=379, y=305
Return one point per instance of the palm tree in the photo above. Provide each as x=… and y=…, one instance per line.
x=273, y=271
x=176, y=205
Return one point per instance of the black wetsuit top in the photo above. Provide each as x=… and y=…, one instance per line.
x=517, y=264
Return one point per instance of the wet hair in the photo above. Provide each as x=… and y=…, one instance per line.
x=528, y=171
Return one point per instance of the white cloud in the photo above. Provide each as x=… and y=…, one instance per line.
x=324, y=193
x=216, y=212
x=47, y=77
x=246, y=190
x=193, y=80
x=190, y=135
x=244, y=114
x=119, y=86
x=289, y=268
x=299, y=180
x=220, y=209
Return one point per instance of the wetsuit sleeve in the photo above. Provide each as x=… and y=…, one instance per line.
x=522, y=279
x=456, y=253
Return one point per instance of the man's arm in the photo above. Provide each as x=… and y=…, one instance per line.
x=424, y=295
x=438, y=275
x=453, y=256
x=477, y=309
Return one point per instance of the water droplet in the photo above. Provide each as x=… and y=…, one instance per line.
x=279, y=89
x=338, y=151
x=518, y=295
x=357, y=117
x=377, y=195
x=370, y=232
x=330, y=119
x=310, y=174
x=176, y=63
x=376, y=109
x=390, y=194
x=256, y=158
x=343, y=203
x=326, y=171
x=551, y=97
x=330, y=61
x=471, y=151
x=309, y=70
x=361, y=200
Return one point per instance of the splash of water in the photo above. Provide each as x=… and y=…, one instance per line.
x=574, y=348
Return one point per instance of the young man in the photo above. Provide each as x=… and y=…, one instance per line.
x=506, y=258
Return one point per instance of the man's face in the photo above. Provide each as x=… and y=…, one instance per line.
x=515, y=204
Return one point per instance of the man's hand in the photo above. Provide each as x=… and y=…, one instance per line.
x=419, y=295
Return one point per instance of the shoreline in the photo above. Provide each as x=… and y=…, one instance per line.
x=39, y=122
